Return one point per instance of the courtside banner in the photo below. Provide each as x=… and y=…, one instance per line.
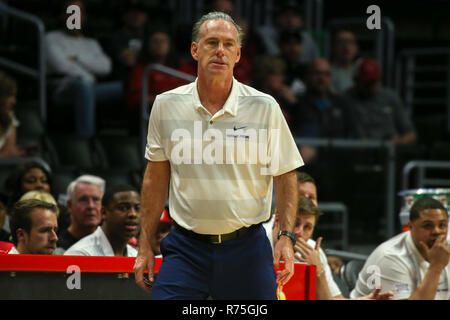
x=14, y=267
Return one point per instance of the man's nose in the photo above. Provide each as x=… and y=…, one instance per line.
x=220, y=50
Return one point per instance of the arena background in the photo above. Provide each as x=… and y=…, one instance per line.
x=361, y=182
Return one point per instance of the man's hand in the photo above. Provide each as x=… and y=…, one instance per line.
x=283, y=251
x=305, y=253
x=439, y=254
x=144, y=260
x=378, y=295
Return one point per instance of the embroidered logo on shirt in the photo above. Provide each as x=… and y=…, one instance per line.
x=238, y=128
x=401, y=287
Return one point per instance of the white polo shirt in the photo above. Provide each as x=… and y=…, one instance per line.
x=332, y=286
x=96, y=244
x=401, y=270
x=222, y=165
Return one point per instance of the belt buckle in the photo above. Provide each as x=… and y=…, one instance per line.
x=219, y=238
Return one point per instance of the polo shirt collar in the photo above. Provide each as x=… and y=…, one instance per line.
x=230, y=105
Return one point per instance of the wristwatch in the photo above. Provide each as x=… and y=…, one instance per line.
x=286, y=233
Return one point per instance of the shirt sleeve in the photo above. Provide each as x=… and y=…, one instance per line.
x=402, y=115
x=94, y=59
x=332, y=286
x=60, y=62
x=391, y=273
x=154, y=150
x=282, y=149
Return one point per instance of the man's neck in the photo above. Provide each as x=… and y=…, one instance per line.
x=213, y=93
x=22, y=249
x=119, y=246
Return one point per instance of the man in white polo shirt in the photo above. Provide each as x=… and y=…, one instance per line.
x=413, y=265
x=223, y=146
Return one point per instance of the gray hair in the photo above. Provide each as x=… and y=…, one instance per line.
x=87, y=178
x=215, y=15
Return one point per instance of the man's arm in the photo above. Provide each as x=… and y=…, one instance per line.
x=154, y=193
x=286, y=198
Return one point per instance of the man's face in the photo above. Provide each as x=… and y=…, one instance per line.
x=290, y=20
x=304, y=226
x=319, y=76
x=42, y=237
x=292, y=50
x=431, y=224
x=345, y=46
x=85, y=205
x=309, y=190
x=9, y=104
x=218, y=49
x=35, y=179
x=122, y=215
x=135, y=19
x=159, y=44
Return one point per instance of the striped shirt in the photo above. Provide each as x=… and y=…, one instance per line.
x=222, y=165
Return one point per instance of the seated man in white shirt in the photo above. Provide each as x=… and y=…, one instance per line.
x=77, y=63
x=33, y=225
x=414, y=265
x=308, y=251
x=121, y=221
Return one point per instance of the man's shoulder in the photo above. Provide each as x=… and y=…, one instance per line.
x=186, y=89
x=84, y=245
x=246, y=91
x=392, y=249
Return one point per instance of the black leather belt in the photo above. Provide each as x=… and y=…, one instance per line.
x=215, y=238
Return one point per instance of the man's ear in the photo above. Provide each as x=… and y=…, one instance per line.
x=194, y=47
x=238, y=57
x=20, y=234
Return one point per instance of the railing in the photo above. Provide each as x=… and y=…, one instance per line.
x=383, y=49
x=389, y=147
x=38, y=73
x=19, y=161
x=421, y=179
x=407, y=69
x=144, y=101
x=346, y=255
x=335, y=208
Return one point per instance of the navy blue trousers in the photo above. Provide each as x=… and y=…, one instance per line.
x=240, y=268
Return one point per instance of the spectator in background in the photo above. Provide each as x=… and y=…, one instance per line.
x=377, y=112
x=414, y=264
x=77, y=63
x=8, y=120
x=27, y=177
x=33, y=227
x=344, y=51
x=164, y=227
x=84, y=203
x=287, y=18
x=320, y=113
x=269, y=77
x=121, y=207
x=125, y=44
x=157, y=49
x=291, y=50
x=4, y=233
